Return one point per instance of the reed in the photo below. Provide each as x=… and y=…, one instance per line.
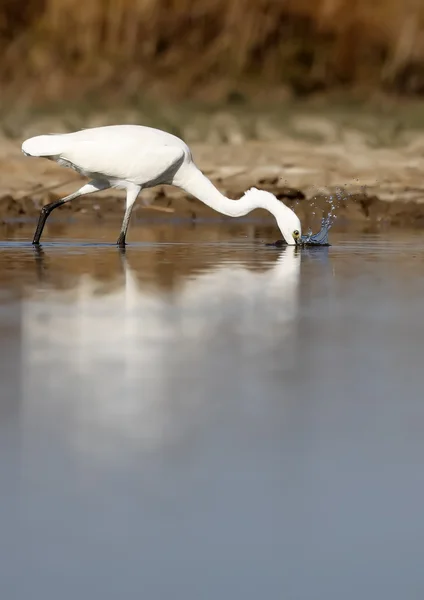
x=69, y=47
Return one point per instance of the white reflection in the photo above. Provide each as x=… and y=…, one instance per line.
x=131, y=368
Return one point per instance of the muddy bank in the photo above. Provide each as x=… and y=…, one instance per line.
x=351, y=209
x=365, y=185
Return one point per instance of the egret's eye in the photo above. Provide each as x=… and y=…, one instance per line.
x=296, y=234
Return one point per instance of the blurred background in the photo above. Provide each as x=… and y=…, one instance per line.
x=211, y=51
x=344, y=75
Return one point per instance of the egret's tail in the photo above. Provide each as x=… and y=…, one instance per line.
x=43, y=145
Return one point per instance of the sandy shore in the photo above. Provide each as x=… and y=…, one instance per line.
x=373, y=185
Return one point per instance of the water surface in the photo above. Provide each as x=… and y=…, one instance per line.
x=204, y=417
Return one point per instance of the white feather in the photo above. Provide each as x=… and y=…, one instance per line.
x=136, y=157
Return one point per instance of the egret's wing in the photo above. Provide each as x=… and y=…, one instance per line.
x=124, y=161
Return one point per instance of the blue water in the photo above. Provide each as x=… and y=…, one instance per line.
x=212, y=419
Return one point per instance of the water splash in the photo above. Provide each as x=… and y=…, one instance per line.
x=310, y=239
x=321, y=238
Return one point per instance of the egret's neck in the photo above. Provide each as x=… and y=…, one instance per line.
x=195, y=183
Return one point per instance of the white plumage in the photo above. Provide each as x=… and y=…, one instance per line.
x=134, y=157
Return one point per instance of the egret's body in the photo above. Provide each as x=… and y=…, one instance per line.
x=133, y=157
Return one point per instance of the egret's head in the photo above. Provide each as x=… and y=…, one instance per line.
x=287, y=220
x=289, y=225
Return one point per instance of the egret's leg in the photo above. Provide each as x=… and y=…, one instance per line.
x=89, y=188
x=132, y=193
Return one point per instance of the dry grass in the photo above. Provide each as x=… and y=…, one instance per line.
x=69, y=47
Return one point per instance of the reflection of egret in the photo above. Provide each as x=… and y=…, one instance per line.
x=136, y=363
x=39, y=261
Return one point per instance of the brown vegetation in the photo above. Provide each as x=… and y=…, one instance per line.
x=63, y=48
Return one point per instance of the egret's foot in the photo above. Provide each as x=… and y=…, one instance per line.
x=121, y=241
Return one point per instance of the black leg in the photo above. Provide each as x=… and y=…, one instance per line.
x=45, y=211
x=89, y=188
x=121, y=240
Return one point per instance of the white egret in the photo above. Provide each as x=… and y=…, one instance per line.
x=134, y=157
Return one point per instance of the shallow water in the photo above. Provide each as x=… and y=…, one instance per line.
x=204, y=417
